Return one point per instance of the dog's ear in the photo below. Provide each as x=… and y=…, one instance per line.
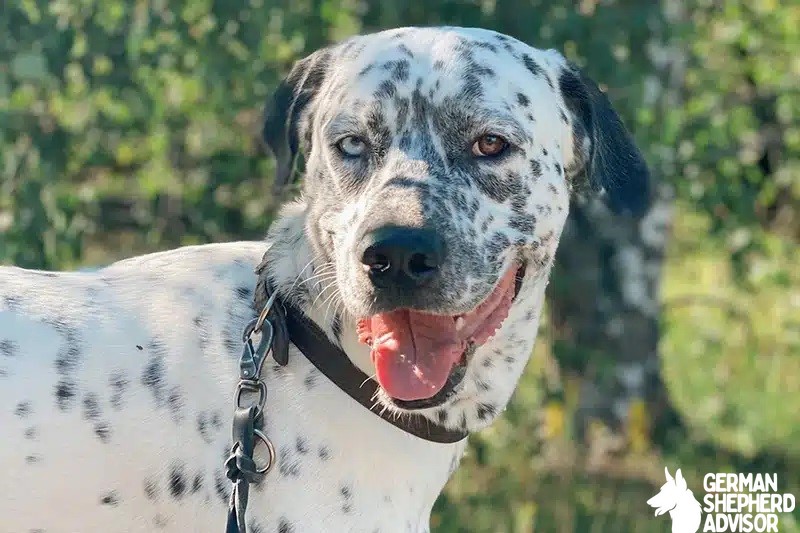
x=604, y=150
x=286, y=119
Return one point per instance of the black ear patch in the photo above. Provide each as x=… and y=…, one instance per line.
x=286, y=116
x=613, y=162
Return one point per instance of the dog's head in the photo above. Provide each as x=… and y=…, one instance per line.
x=439, y=167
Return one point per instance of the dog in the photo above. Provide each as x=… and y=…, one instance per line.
x=679, y=501
x=440, y=163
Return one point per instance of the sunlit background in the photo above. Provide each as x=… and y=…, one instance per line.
x=128, y=126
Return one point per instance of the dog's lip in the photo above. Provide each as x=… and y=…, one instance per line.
x=519, y=276
x=456, y=377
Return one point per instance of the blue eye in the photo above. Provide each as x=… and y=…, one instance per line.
x=352, y=146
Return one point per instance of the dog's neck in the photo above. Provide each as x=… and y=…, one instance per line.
x=496, y=366
x=294, y=273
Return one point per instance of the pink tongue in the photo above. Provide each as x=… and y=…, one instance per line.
x=415, y=352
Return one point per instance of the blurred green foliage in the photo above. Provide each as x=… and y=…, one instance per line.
x=130, y=126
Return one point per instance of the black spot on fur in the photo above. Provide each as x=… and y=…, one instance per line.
x=139, y=347
x=177, y=480
x=523, y=100
x=536, y=168
x=386, y=89
x=398, y=69
x=403, y=48
x=438, y=65
x=157, y=347
x=485, y=411
x=310, y=380
x=103, y=431
x=23, y=409
x=91, y=407
x=110, y=498
x=197, y=483
x=118, y=384
x=558, y=168
x=366, y=70
x=531, y=65
x=8, y=348
x=324, y=453
x=494, y=187
x=175, y=403
x=472, y=211
x=523, y=223
x=284, y=526
x=152, y=378
x=68, y=355
x=301, y=445
x=65, y=394
x=243, y=293
x=485, y=45
x=30, y=433
x=288, y=464
x=203, y=428
x=33, y=459
x=150, y=489
x=347, y=497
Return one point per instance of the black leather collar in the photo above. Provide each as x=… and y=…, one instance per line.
x=291, y=324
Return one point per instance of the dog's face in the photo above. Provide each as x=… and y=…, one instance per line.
x=439, y=165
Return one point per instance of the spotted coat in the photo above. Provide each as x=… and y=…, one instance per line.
x=116, y=385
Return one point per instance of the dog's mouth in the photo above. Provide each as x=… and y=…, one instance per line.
x=420, y=358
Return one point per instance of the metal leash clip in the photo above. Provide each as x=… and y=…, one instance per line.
x=240, y=466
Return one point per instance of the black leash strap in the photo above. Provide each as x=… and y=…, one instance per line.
x=250, y=399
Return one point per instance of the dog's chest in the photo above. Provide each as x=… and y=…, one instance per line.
x=120, y=415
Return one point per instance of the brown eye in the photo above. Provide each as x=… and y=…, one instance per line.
x=489, y=145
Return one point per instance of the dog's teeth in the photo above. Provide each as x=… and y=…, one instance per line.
x=460, y=323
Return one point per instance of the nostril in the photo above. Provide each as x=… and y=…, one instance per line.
x=379, y=263
x=420, y=264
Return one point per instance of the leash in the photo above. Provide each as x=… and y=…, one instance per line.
x=277, y=324
x=250, y=400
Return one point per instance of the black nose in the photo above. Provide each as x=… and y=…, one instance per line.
x=403, y=256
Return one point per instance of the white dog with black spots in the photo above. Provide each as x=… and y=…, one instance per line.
x=440, y=163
